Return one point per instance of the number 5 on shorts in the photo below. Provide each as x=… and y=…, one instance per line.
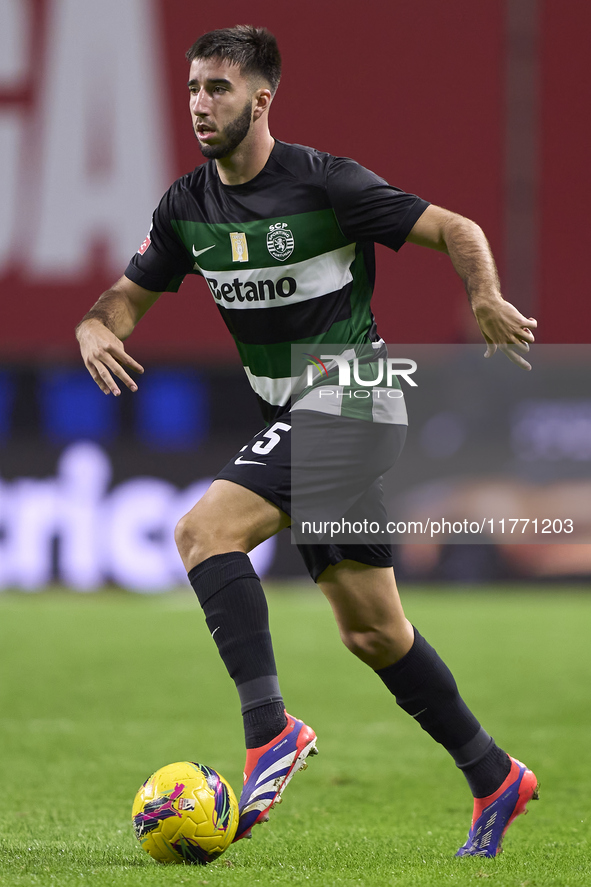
x=263, y=447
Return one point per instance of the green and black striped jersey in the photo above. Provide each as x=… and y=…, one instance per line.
x=288, y=256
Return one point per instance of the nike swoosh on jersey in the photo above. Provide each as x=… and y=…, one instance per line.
x=197, y=252
x=241, y=461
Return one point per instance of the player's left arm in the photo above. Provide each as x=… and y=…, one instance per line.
x=501, y=324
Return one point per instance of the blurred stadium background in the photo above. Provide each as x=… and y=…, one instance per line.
x=477, y=107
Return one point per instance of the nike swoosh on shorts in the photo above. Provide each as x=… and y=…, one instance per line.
x=241, y=461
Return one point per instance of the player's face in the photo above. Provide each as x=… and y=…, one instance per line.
x=221, y=106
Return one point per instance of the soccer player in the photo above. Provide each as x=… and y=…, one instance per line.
x=284, y=236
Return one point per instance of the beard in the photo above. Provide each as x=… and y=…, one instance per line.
x=234, y=133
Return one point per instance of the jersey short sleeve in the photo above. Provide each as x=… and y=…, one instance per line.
x=162, y=261
x=367, y=207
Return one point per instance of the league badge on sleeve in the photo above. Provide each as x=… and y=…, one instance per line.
x=280, y=241
x=144, y=245
x=146, y=242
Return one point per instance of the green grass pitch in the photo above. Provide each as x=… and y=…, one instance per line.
x=99, y=690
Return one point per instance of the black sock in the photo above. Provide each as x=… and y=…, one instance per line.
x=235, y=608
x=486, y=775
x=425, y=688
x=263, y=724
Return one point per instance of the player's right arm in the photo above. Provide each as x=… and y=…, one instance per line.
x=101, y=331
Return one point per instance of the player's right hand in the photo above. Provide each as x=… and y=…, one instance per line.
x=104, y=357
x=506, y=329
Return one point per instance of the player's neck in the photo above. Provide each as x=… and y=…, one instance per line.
x=248, y=159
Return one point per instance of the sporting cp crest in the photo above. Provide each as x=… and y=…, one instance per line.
x=280, y=241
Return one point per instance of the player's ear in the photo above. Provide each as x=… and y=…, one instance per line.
x=262, y=100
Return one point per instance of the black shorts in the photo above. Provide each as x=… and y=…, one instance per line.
x=335, y=470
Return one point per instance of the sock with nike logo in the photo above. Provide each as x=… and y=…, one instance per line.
x=236, y=613
x=425, y=688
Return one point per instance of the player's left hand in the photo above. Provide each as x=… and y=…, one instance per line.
x=505, y=328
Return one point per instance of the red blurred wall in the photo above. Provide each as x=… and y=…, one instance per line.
x=565, y=180
x=413, y=91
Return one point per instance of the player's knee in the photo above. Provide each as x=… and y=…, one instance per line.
x=183, y=534
x=365, y=644
x=200, y=535
x=193, y=539
x=374, y=646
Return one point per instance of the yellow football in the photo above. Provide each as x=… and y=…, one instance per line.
x=185, y=812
